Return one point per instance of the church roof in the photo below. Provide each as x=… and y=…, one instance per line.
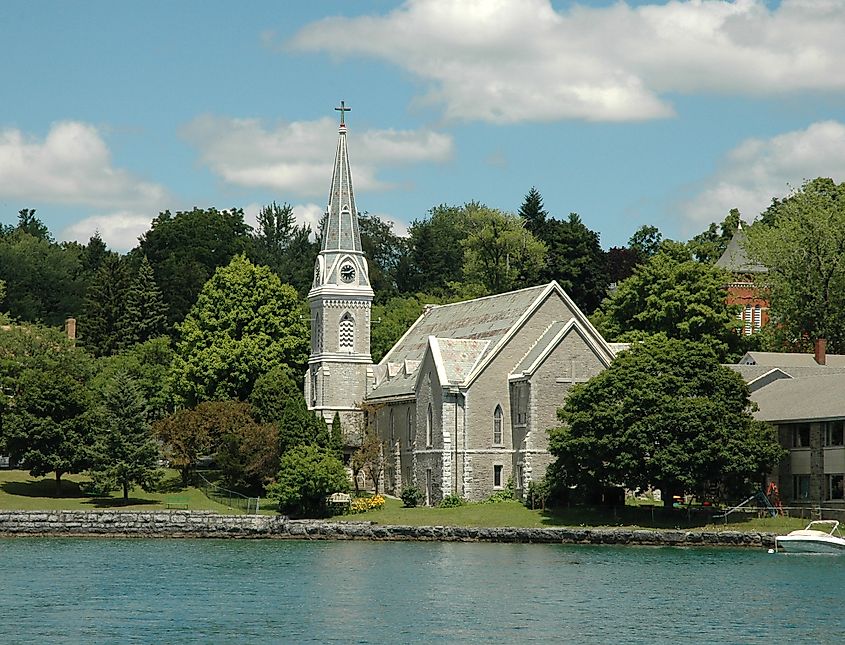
x=539, y=347
x=488, y=319
x=735, y=259
x=790, y=359
x=458, y=356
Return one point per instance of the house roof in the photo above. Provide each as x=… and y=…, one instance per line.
x=790, y=359
x=735, y=259
x=810, y=398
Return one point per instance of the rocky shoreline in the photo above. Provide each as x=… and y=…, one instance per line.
x=203, y=524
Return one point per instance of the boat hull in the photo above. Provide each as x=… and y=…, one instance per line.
x=800, y=544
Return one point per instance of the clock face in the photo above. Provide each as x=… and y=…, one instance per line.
x=347, y=273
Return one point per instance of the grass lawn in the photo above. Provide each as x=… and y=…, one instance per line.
x=20, y=491
x=517, y=515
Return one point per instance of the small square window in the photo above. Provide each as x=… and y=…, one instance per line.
x=836, y=486
x=801, y=435
x=497, y=476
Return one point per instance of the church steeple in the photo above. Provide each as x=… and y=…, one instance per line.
x=341, y=298
x=341, y=262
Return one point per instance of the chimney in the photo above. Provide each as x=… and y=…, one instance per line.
x=820, y=350
x=70, y=328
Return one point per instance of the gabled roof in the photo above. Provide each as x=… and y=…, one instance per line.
x=735, y=259
x=790, y=359
x=811, y=398
x=488, y=319
x=550, y=339
x=465, y=336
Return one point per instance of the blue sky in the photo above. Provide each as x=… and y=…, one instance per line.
x=628, y=113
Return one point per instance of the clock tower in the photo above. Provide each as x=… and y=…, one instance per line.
x=341, y=299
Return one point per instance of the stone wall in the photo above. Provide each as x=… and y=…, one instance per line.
x=200, y=524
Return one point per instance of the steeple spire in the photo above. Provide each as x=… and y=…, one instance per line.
x=340, y=232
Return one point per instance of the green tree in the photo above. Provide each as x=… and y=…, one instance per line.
x=299, y=426
x=393, y=318
x=435, y=254
x=285, y=246
x=674, y=295
x=621, y=262
x=104, y=307
x=384, y=250
x=148, y=364
x=30, y=224
x=336, y=445
x=144, y=314
x=248, y=456
x=646, y=241
x=533, y=213
x=45, y=403
x=95, y=253
x=245, y=323
x=124, y=453
x=307, y=476
x=711, y=244
x=803, y=247
x=45, y=281
x=665, y=414
x=576, y=260
x=186, y=248
x=499, y=252
x=271, y=393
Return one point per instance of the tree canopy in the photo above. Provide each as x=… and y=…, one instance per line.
x=802, y=243
x=245, y=322
x=665, y=414
x=674, y=295
x=307, y=476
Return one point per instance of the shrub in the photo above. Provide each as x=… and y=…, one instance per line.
x=537, y=494
x=411, y=496
x=308, y=475
x=504, y=495
x=364, y=504
x=452, y=501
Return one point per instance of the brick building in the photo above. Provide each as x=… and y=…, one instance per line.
x=744, y=290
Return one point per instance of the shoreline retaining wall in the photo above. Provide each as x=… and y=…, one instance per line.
x=202, y=524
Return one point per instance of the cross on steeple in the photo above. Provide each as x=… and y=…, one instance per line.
x=342, y=109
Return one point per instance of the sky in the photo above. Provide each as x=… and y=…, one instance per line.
x=628, y=113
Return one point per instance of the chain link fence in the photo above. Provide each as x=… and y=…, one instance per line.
x=229, y=498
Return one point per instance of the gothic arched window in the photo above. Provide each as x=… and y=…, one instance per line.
x=429, y=419
x=497, y=426
x=347, y=332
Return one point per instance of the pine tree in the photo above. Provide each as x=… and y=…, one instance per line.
x=103, y=308
x=337, y=437
x=125, y=453
x=145, y=314
x=533, y=212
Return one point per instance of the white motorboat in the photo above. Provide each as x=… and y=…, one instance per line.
x=813, y=540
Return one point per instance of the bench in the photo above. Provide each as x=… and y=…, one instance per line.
x=177, y=502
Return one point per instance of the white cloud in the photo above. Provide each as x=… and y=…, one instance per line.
x=120, y=231
x=522, y=60
x=297, y=157
x=757, y=170
x=71, y=165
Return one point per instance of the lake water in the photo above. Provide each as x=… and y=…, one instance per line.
x=207, y=591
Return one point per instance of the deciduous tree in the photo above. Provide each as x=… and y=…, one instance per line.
x=665, y=414
x=245, y=323
x=803, y=247
x=307, y=476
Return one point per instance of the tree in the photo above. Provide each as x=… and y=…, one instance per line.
x=286, y=247
x=665, y=414
x=299, y=426
x=148, y=364
x=31, y=225
x=144, y=314
x=95, y=253
x=621, y=262
x=45, y=404
x=711, y=244
x=533, y=212
x=576, y=260
x=674, y=295
x=803, y=247
x=190, y=434
x=336, y=444
x=384, y=250
x=45, y=281
x=307, y=476
x=271, y=393
x=186, y=248
x=104, y=307
x=499, y=252
x=248, y=456
x=646, y=241
x=370, y=457
x=124, y=452
x=245, y=322
x=435, y=251
x=393, y=318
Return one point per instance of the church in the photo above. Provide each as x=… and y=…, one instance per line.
x=463, y=401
